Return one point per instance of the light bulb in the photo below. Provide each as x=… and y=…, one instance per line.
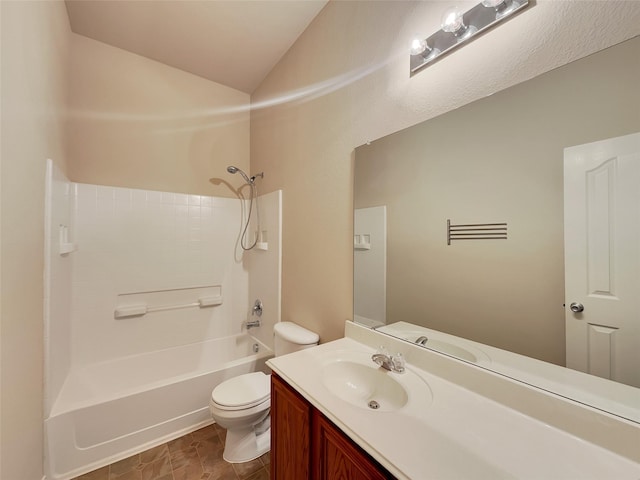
x=492, y=3
x=502, y=7
x=452, y=20
x=418, y=46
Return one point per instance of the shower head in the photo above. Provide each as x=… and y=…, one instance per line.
x=232, y=169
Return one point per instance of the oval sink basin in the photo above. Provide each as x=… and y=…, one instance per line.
x=353, y=377
x=364, y=386
x=438, y=341
x=463, y=352
x=449, y=349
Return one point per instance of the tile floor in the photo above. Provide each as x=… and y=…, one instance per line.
x=195, y=456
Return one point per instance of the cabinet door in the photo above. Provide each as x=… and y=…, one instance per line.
x=290, y=426
x=335, y=457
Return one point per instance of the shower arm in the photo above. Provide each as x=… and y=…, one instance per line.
x=253, y=177
x=250, y=180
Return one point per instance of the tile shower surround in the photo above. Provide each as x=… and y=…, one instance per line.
x=57, y=284
x=130, y=241
x=195, y=456
x=140, y=241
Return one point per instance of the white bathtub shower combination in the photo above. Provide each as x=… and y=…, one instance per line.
x=117, y=384
x=110, y=410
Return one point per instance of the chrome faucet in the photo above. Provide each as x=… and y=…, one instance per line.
x=252, y=323
x=422, y=340
x=257, y=308
x=393, y=363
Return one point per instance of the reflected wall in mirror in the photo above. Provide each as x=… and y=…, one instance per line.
x=499, y=159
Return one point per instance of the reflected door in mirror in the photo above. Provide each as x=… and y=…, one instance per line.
x=602, y=258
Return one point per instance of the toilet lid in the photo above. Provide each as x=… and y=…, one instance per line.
x=242, y=391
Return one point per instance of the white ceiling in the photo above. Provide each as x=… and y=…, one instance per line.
x=231, y=42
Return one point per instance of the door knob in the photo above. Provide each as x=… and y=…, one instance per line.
x=576, y=307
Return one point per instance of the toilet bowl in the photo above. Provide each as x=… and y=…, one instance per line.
x=241, y=404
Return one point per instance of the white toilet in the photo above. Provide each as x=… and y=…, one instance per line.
x=241, y=404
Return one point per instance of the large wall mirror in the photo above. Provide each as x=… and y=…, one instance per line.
x=501, y=160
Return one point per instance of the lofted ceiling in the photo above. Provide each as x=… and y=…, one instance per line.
x=231, y=42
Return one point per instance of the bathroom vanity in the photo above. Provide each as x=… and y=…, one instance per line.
x=305, y=444
x=337, y=414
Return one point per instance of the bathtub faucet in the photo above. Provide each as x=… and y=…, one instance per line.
x=257, y=308
x=252, y=323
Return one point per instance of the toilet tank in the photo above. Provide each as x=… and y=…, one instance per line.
x=289, y=337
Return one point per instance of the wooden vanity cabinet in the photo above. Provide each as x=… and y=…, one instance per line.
x=290, y=432
x=335, y=456
x=307, y=445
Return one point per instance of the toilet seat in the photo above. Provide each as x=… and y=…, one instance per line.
x=242, y=392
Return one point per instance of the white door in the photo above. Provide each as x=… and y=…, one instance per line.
x=602, y=258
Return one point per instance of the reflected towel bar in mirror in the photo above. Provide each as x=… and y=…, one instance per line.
x=476, y=231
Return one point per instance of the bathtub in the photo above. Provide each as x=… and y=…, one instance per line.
x=109, y=411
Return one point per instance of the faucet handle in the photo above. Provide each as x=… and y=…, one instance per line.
x=398, y=362
x=382, y=350
x=257, y=308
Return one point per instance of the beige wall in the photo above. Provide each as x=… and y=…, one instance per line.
x=499, y=159
x=127, y=121
x=353, y=62
x=138, y=123
x=35, y=45
x=352, y=59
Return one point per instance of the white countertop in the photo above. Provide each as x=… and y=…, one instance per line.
x=456, y=433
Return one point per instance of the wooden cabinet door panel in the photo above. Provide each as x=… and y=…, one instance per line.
x=290, y=433
x=335, y=457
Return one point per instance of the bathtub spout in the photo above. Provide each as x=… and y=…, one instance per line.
x=252, y=323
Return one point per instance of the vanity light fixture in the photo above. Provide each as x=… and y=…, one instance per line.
x=501, y=7
x=453, y=22
x=418, y=46
x=459, y=27
x=422, y=48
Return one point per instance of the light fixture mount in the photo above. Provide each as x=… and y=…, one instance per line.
x=459, y=28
